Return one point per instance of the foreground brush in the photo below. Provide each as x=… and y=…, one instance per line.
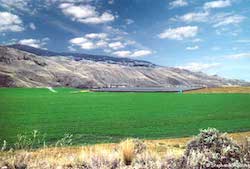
x=210, y=149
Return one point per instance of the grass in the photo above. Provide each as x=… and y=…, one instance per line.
x=222, y=90
x=110, y=117
x=128, y=151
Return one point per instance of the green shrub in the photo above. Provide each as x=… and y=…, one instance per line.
x=29, y=141
x=4, y=146
x=66, y=140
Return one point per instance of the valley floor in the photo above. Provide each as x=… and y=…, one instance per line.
x=94, y=117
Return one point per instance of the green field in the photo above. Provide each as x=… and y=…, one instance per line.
x=109, y=117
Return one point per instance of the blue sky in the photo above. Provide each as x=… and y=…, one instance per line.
x=200, y=35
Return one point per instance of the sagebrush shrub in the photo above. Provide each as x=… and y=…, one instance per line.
x=139, y=146
x=105, y=160
x=212, y=149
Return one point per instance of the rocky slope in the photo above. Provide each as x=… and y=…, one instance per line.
x=23, y=69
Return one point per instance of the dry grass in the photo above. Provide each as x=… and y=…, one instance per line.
x=103, y=155
x=222, y=90
x=128, y=151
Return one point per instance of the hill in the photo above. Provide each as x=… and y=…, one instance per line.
x=24, y=66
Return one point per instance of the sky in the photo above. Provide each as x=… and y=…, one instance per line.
x=212, y=36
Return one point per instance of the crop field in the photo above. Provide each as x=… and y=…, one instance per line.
x=221, y=90
x=94, y=117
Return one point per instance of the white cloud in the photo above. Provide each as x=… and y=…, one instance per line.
x=101, y=41
x=116, y=45
x=217, y=4
x=32, y=26
x=10, y=22
x=197, y=40
x=195, y=66
x=105, y=17
x=78, y=40
x=85, y=14
x=179, y=33
x=77, y=12
x=45, y=39
x=101, y=44
x=243, y=41
x=227, y=19
x=106, y=50
x=15, y=4
x=129, y=21
x=192, y=47
x=229, y=30
x=96, y=35
x=88, y=45
x=127, y=53
x=130, y=42
x=90, y=41
x=216, y=20
x=239, y=56
x=194, y=17
x=36, y=43
x=122, y=53
x=178, y=3
x=141, y=53
x=115, y=31
x=70, y=1
x=110, y=43
x=83, y=43
x=110, y=2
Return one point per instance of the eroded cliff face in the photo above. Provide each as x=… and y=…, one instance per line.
x=23, y=69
